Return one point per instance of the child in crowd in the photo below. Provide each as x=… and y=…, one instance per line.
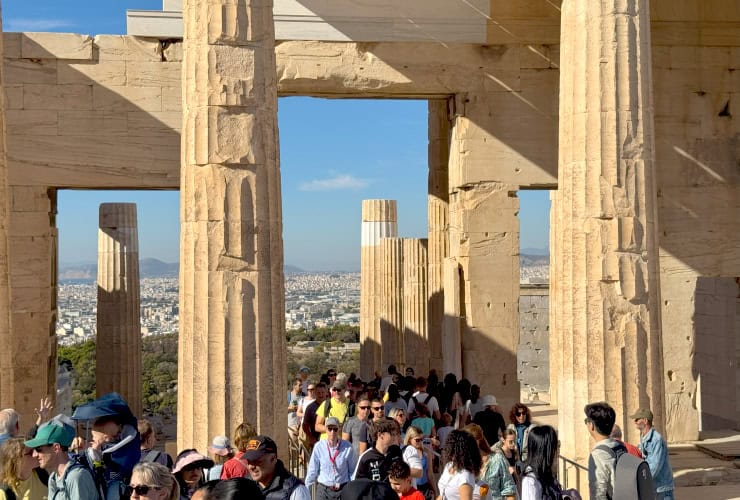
x=399, y=476
x=445, y=429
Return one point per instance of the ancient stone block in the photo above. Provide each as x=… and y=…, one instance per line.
x=56, y=46
x=92, y=123
x=126, y=98
x=37, y=122
x=11, y=45
x=146, y=73
x=58, y=97
x=36, y=71
x=108, y=74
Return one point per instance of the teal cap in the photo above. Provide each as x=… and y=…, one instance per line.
x=54, y=431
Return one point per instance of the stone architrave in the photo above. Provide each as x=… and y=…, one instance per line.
x=609, y=334
x=391, y=300
x=437, y=211
x=118, y=345
x=415, y=319
x=232, y=341
x=379, y=220
x=8, y=383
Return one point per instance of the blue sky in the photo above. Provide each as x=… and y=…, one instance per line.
x=334, y=154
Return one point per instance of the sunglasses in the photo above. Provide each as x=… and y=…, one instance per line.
x=311, y=388
x=416, y=440
x=140, y=489
x=332, y=429
x=377, y=408
x=332, y=374
x=521, y=413
x=363, y=407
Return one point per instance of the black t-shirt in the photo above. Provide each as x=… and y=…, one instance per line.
x=492, y=424
x=309, y=420
x=374, y=465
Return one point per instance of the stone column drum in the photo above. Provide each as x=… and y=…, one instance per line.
x=415, y=319
x=118, y=344
x=609, y=334
x=379, y=220
x=391, y=299
x=232, y=343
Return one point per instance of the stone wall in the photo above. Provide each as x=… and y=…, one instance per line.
x=533, y=351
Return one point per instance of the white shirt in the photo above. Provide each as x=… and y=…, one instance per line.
x=300, y=493
x=531, y=488
x=449, y=484
x=411, y=457
x=433, y=405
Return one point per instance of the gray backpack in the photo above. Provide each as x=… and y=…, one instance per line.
x=633, y=480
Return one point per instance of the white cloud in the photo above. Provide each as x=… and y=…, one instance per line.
x=338, y=182
x=35, y=24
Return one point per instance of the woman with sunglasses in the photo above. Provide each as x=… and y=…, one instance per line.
x=420, y=460
x=153, y=481
x=20, y=472
x=521, y=422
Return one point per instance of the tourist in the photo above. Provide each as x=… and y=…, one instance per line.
x=294, y=398
x=490, y=420
x=269, y=472
x=67, y=479
x=420, y=459
x=331, y=375
x=377, y=414
x=309, y=435
x=153, y=481
x=494, y=472
x=539, y=477
x=148, y=439
x=474, y=404
x=461, y=396
x=399, y=476
x=447, y=401
x=422, y=396
x=9, y=424
x=399, y=416
x=394, y=400
x=388, y=379
x=235, y=466
x=188, y=471
x=356, y=429
x=374, y=463
x=462, y=466
x=236, y=488
x=332, y=463
x=423, y=421
x=655, y=450
x=309, y=398
x=599, y=422
x=336, y=406
x=409, y=372
x=221, y=452
x=506, y=446
x=444, y=431
x=631, y=449
x=521, y=422
x=19, y=472
x=303, y=372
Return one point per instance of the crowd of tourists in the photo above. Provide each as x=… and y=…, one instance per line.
x=397, y=436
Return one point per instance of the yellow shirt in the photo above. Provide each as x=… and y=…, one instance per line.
x=30, y=489
x=338, y=410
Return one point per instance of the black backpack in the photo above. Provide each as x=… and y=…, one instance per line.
x=350, y=408
x=414, y=414
x=632, y=480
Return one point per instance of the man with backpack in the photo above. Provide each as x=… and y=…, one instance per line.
x=337, y=406
x=655, y=450
x=69, y=480
x=421, y=396
x=613, y=473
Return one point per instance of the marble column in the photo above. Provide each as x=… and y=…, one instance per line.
x=609, y=296
x=415, y=319
x=8, y=392
x=451, y=326
x=437, y=208
x=379, y=220
x=118, y=344
x=232, y=343
x=391, y=301
x=556, y=279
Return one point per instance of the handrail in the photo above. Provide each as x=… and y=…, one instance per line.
x=566, y=464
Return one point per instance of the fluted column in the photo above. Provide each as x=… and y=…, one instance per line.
x=415, y=319
x=391, y=300
x=607, y=259
x=118, y=344
x=437, y=208
x=232, y=345
x=8, y=377
x=556, y=279
x=379, y=220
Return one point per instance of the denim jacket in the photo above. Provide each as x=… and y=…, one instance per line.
x=496, y=475
x=653, y=447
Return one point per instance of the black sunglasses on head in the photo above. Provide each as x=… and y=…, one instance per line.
x=140, y=489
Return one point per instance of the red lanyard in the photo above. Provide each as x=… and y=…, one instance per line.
x=336, y=454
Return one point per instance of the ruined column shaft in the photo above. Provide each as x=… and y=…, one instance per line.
x=391, y=298
x=438, y=207
x=607, y=260
x=379, y=220
x=232, y=342
x=118, y=343
x=415, y=319
x=451, y=343
x=556, y=279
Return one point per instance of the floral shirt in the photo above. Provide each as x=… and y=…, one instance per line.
x=496, y=475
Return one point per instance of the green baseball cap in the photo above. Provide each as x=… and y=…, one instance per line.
x=54, y=431
x=642, y=413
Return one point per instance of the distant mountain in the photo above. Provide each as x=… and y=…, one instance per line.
x=534, y=251
x=149, y=268
x=287, y=268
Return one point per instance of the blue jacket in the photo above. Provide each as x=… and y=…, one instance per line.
x=653, y=447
